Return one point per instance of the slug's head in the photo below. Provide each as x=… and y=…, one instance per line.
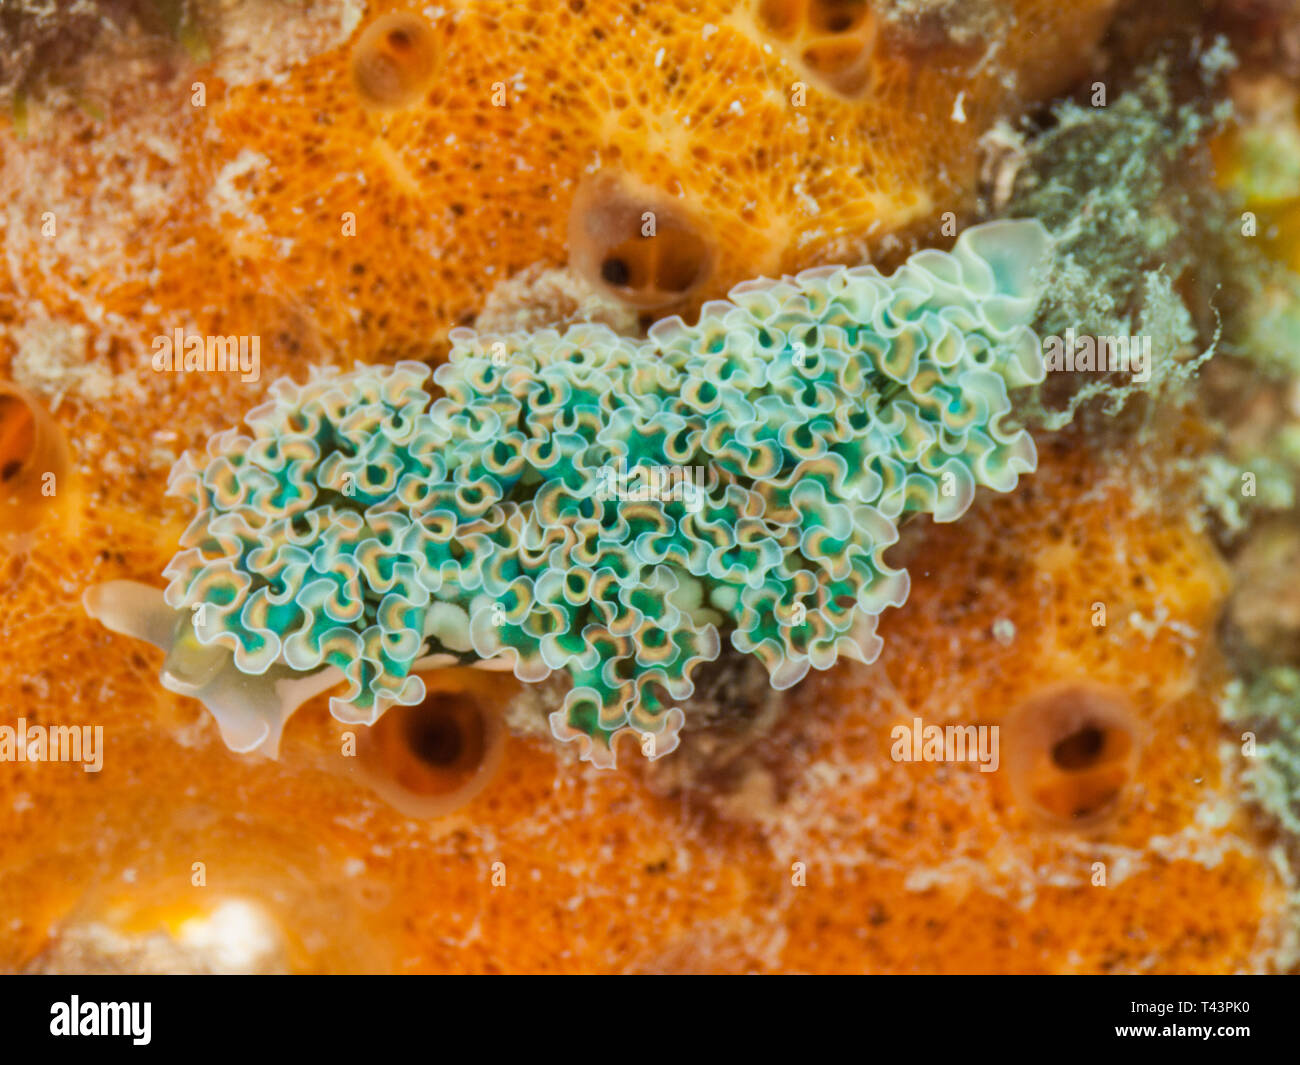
x=426, y=760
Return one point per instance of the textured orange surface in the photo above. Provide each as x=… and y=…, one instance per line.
x=907, y=866
x=227, y=220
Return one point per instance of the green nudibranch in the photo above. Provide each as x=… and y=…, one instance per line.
x=608, y=507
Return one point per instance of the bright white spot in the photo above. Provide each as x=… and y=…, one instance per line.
x=235, y=937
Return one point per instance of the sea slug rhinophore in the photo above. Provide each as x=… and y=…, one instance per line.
x=608, y=507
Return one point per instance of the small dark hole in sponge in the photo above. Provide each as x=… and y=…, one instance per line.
x=399, y=39
x=615, y=272
x=1080, y=749
x=435, y=738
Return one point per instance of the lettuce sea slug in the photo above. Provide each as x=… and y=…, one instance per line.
x=604, y=506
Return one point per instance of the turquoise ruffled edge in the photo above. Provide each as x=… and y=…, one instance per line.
x=613, y=508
